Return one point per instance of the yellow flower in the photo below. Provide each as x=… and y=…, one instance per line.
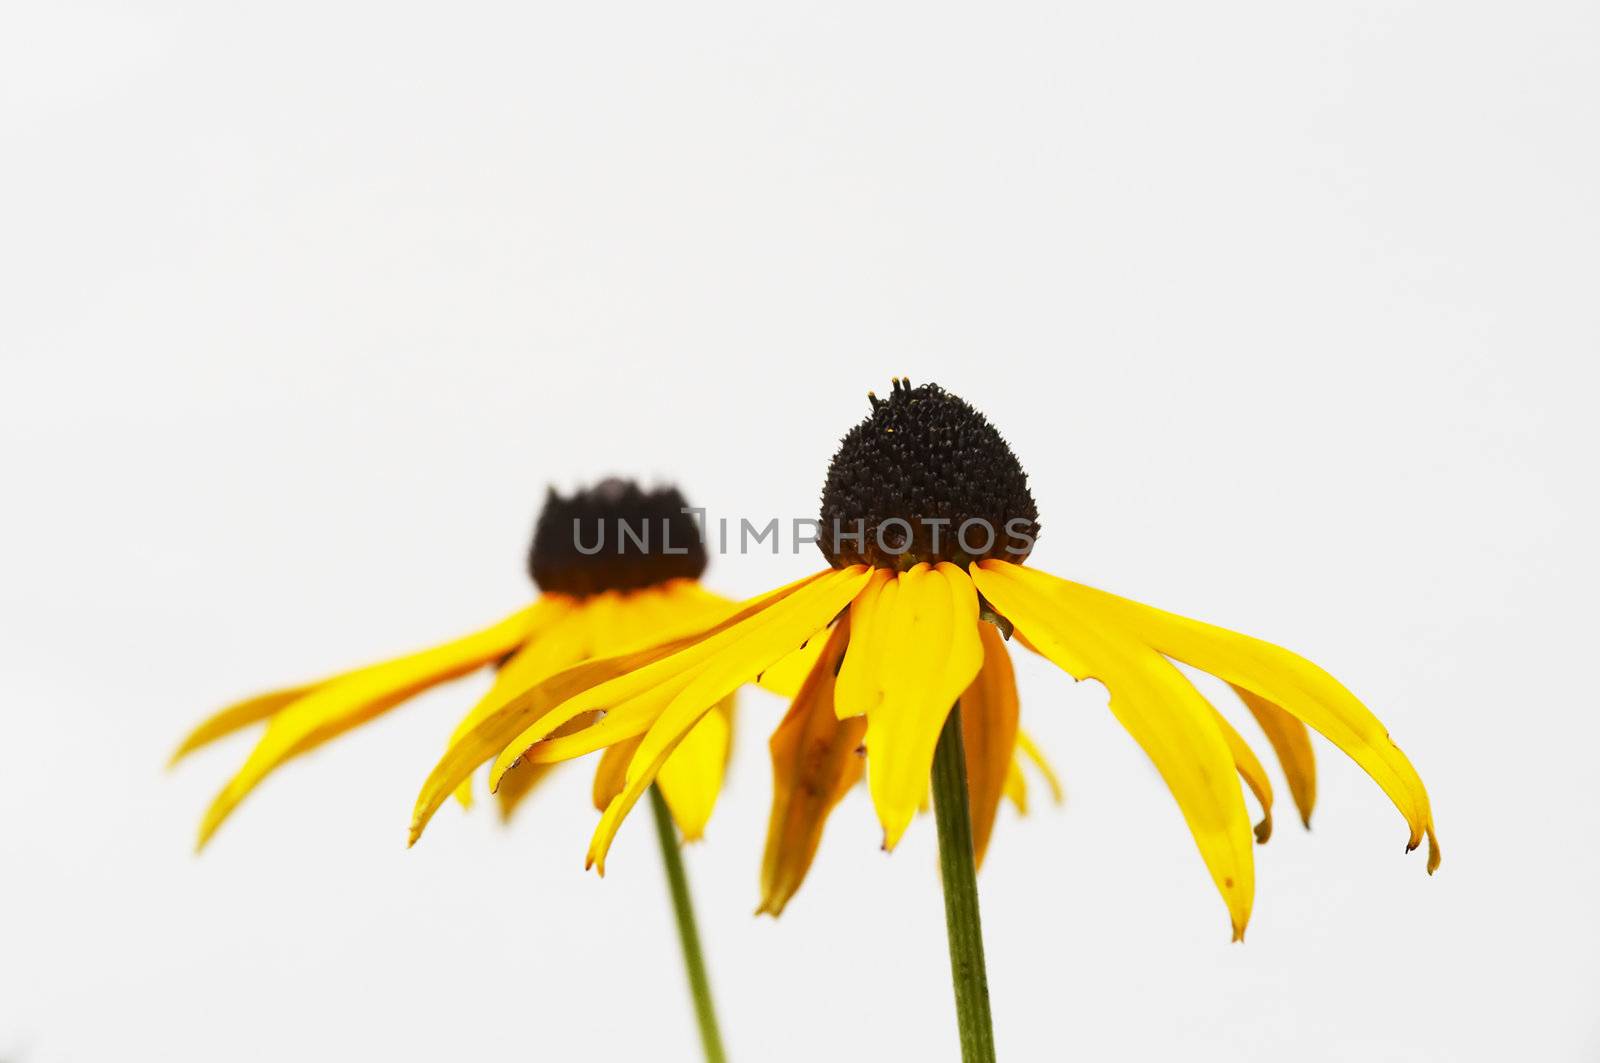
x=926, y=522
x=640, y=588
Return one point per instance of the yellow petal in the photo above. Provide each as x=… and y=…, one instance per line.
x=738, y=662
x=515, y=787
x=1017, y=786
x=1029, y=748
x=927, y=653
x=786, y=676
x=518, y=785
x=501, y=724
x=1158, y=707
x=1251, y=771
x=691, y=778
x=611, y=772
x=989, y=734
x=239, y=715
x=814, y=764
x=1274, y=674
x=1292, y=743
x=356, y=697
x=858, y=686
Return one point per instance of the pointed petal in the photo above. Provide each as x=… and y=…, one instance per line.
x=1289, y=681
x=814, y=764
x=691, y=778
x=354, y=698
x=989, y=734
x=1017, y=787
x=1291, y=741
x=1029, y=748
x=926, y=652
x=1251, y=771
x=1159, y=708
x=239, y=715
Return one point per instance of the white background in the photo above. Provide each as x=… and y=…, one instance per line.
x=1290, y=311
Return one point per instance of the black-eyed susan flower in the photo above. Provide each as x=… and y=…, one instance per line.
x=927, y=523
x=616, y=567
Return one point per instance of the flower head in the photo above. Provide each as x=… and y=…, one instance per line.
x=593, y=602
x=927, y=520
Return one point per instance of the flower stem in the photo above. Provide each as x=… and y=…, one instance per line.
x=960, y=873
x=688, y=934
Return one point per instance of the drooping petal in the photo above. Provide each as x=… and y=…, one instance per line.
x=1159, y=708
x=738, y=662
x=1291, y=741
x=927, y=651
x=858, y=685
x=239, y=715
x=500, y=725
x=1017, y=787
x=1251, y=771
x=814, y=764
x=989, y=734
x=1274, y=674
x=611, y=772
x=1029, y=748
x=354, y=698
x=691, y=778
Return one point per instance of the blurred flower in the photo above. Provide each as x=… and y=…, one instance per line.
x=593, y=603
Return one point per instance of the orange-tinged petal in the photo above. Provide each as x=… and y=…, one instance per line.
x=1274, y=674
x=926, y=652
x=989, y=734
x=352, y=699
x=1291, y=741
x=815, y=761
x=1159, y=708
x=739, y=662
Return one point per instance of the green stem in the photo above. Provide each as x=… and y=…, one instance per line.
x=960, y=873
x=688, y=935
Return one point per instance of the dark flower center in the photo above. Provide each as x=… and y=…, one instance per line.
x=614, y=536
x=925, y=478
